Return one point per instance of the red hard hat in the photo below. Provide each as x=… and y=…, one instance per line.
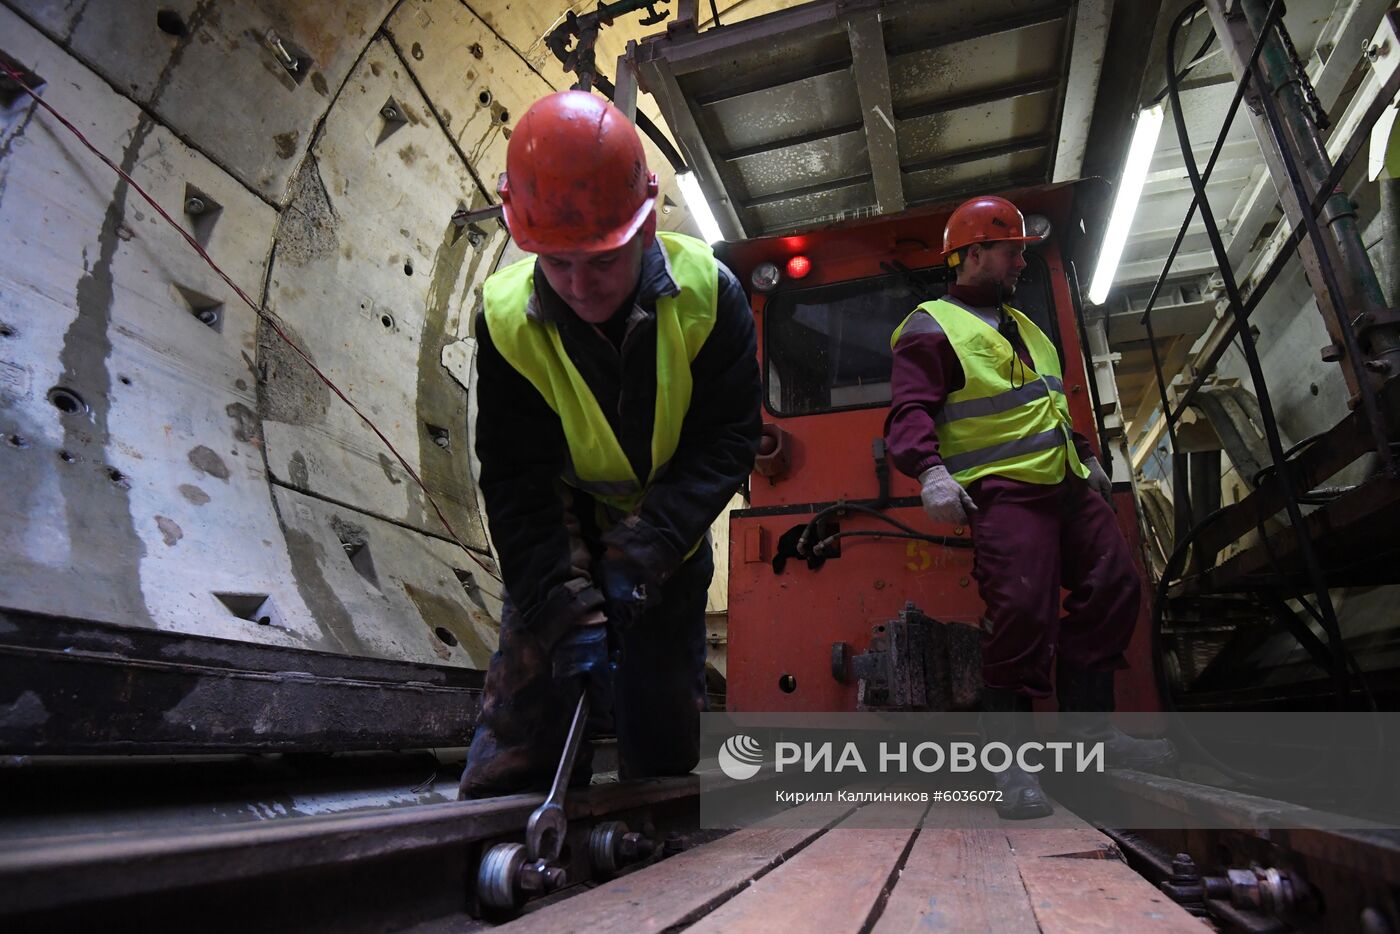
x=576, y=177
x=984, y=220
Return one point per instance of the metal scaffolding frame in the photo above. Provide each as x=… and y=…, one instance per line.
x=1365, y=331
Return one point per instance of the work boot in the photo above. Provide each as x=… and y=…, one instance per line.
x=1089, y=695
x=1006, y=719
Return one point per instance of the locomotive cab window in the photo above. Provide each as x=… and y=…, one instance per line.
x=827, y=348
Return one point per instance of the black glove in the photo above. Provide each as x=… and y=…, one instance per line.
x=582, y=650
x=627, y=592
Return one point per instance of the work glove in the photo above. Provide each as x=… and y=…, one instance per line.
x=627, y=590
x=1098, y=480
x=582, y=650
x=944, y=498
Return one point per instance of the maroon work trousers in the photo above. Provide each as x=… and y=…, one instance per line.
x=1029, y=541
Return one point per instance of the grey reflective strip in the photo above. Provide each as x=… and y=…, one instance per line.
x=921, y=323
x=1055, y=384
x=953, y=301
x=992, y=405
x=1046, y=440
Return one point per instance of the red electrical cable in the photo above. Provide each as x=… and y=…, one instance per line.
x=259, y=311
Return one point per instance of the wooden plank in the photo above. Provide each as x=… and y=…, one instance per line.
x=685, y=886
x=963, y=879
x=994, y=875
x=1076, y=880
x=1082, y=842
x=833, y=885
x=1077, y=895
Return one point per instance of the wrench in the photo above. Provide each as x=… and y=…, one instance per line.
x=544, y=833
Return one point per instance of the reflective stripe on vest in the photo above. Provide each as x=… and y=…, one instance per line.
x=988, y=427
x=597, y=463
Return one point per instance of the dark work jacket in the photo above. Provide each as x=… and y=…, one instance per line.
x=545, y=533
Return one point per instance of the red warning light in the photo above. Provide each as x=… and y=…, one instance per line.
x=798, y=267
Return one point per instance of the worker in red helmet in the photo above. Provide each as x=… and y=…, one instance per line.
x=618, y=411
x=979, y=416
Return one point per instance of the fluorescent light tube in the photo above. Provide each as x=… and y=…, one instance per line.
x=1149, y=124
x=698, y=207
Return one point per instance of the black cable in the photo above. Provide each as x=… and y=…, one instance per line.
x=1175, y=565
x=1229, y=120
x=1342, y=661
x=1350, y=659
x=1264, y=472
x=678, y=164
x=1076, y=300
x=865, y=510
x=877, y=533
x=1188, y=67
x=1256, y=371
x=908, y=530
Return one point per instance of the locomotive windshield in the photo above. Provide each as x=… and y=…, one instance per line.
x=827, y=348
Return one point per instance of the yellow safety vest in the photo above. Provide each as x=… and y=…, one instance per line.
x=597, y=464
x=989, y=427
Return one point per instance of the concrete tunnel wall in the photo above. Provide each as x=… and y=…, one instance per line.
x=168, y=461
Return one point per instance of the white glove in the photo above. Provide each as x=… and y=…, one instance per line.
x=1098, y=480
x=944, y=498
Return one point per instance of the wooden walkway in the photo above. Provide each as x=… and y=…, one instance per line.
x=993, y=876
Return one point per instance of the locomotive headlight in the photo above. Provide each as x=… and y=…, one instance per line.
x=1038, y=226
x=765, y=277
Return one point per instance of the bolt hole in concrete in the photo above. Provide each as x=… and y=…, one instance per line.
x=6, y=331
x=787, y=684
x=357, y=550
x=67, y=401
x=171, y=23
x=18, y=441
x=1312, y=388
x=503, y=116
x=440, y=437
x=254, y=607
x=203, y=212
x=387, y=320
x=124, y=380
x=66, y=457
x=476, y=50
x=469, y=585
x=445, y=635
x=485, y=98
x=117, y=477
x=205, y=309
x=408, y=269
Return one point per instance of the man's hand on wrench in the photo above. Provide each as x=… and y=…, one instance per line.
x=583, y=650
x=581, y=653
